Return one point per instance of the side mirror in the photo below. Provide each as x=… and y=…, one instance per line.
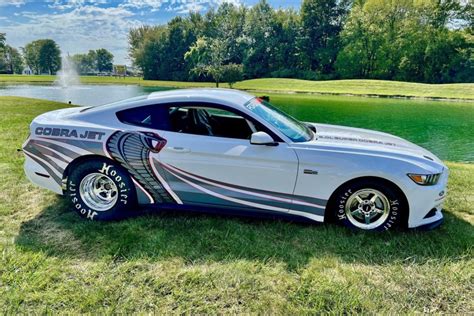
x=262, y=138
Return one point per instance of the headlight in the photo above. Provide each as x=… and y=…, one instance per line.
x=425, y=179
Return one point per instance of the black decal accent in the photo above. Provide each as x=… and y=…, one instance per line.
x=43, y=175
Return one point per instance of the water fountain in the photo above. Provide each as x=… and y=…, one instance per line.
x=67, y=76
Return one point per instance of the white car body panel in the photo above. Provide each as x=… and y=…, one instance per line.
x=294, y=178
x=272, y=169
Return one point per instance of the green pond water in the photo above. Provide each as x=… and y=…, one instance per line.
x=445, y=128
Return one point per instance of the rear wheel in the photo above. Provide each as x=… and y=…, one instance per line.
x=369, y=205
x=100, y=190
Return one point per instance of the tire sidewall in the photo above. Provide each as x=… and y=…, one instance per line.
x=126, y=190
x=395, y=212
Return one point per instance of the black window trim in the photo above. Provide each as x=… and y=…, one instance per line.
x=205, y=104
x=183, y=104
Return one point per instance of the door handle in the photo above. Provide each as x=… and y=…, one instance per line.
x=179, y=149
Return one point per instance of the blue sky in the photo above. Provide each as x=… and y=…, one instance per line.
x=80, y=25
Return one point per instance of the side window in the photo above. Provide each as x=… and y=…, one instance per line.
x=209, y=121
x=149, y=116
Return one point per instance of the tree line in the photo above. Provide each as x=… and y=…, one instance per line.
x=11, y=60
x=424, y=41
x=100, y=60
x=44, y=56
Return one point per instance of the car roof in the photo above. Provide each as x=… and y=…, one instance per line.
x=229, y=96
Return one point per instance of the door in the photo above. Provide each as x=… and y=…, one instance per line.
x=208, y=160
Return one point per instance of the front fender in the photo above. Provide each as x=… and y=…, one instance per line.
x=331, y=169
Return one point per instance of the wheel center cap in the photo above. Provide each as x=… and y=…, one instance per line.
x=366, y=208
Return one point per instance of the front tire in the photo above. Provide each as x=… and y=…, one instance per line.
x=100, y=190
x=369, y=205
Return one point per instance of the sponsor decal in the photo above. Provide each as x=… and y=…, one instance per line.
x=69, y=133
x=355, y=139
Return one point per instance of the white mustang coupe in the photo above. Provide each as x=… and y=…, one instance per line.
x=224, y=151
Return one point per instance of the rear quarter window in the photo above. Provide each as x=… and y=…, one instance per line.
x=150, y=116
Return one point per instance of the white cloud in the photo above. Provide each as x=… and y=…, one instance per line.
x=177, y=6
x=16, y=3
x=71, y=4
x=78, y=30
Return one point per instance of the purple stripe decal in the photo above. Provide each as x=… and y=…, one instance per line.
x=42, y=164
x=235, y=188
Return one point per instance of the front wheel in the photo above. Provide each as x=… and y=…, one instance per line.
x=100, y=190
x=369, y=205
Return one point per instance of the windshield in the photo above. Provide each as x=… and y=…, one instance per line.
x=289, y=126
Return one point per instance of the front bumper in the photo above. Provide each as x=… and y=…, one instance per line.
x=40, y=176
x=426, y=204
x=432, y=225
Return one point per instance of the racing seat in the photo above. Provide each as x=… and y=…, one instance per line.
x=198, y=122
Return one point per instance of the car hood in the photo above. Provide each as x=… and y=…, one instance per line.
x=369, y=142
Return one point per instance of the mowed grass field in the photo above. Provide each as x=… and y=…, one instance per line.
x=52, y=261
x=339, y=87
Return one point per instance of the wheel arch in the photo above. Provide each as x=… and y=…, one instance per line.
x=330, y=215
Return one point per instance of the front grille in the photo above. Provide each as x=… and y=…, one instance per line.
x=432, y=179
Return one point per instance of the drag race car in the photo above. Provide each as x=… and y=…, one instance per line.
x=226, y=150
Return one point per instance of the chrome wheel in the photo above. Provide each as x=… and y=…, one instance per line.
x=367, y=208
x=98, y=191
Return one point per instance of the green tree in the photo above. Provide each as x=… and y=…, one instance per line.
x=158, y=51
x=2, y=40
x=228, y=26
x=31, y=56
x=42, y=56
x=180, y=36
x=104, y=60
x=137, y=36
x=260, y=40
x=321, y=23
x=423, y=40
x=404, y=40
x=86, y=63
x=12, y=60
x=285, y=55
x=49, y=56
x=232, y=73
x=151, y=55
x=207, y=56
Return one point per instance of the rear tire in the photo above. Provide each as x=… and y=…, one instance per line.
x=369, y=205
x=100, y=190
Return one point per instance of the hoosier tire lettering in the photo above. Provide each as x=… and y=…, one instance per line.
x=109, y=170
x=369, y=205
x=100, y=190
x=87, y=212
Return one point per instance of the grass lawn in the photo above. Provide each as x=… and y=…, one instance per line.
x=352, y=87
x=51, y=261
